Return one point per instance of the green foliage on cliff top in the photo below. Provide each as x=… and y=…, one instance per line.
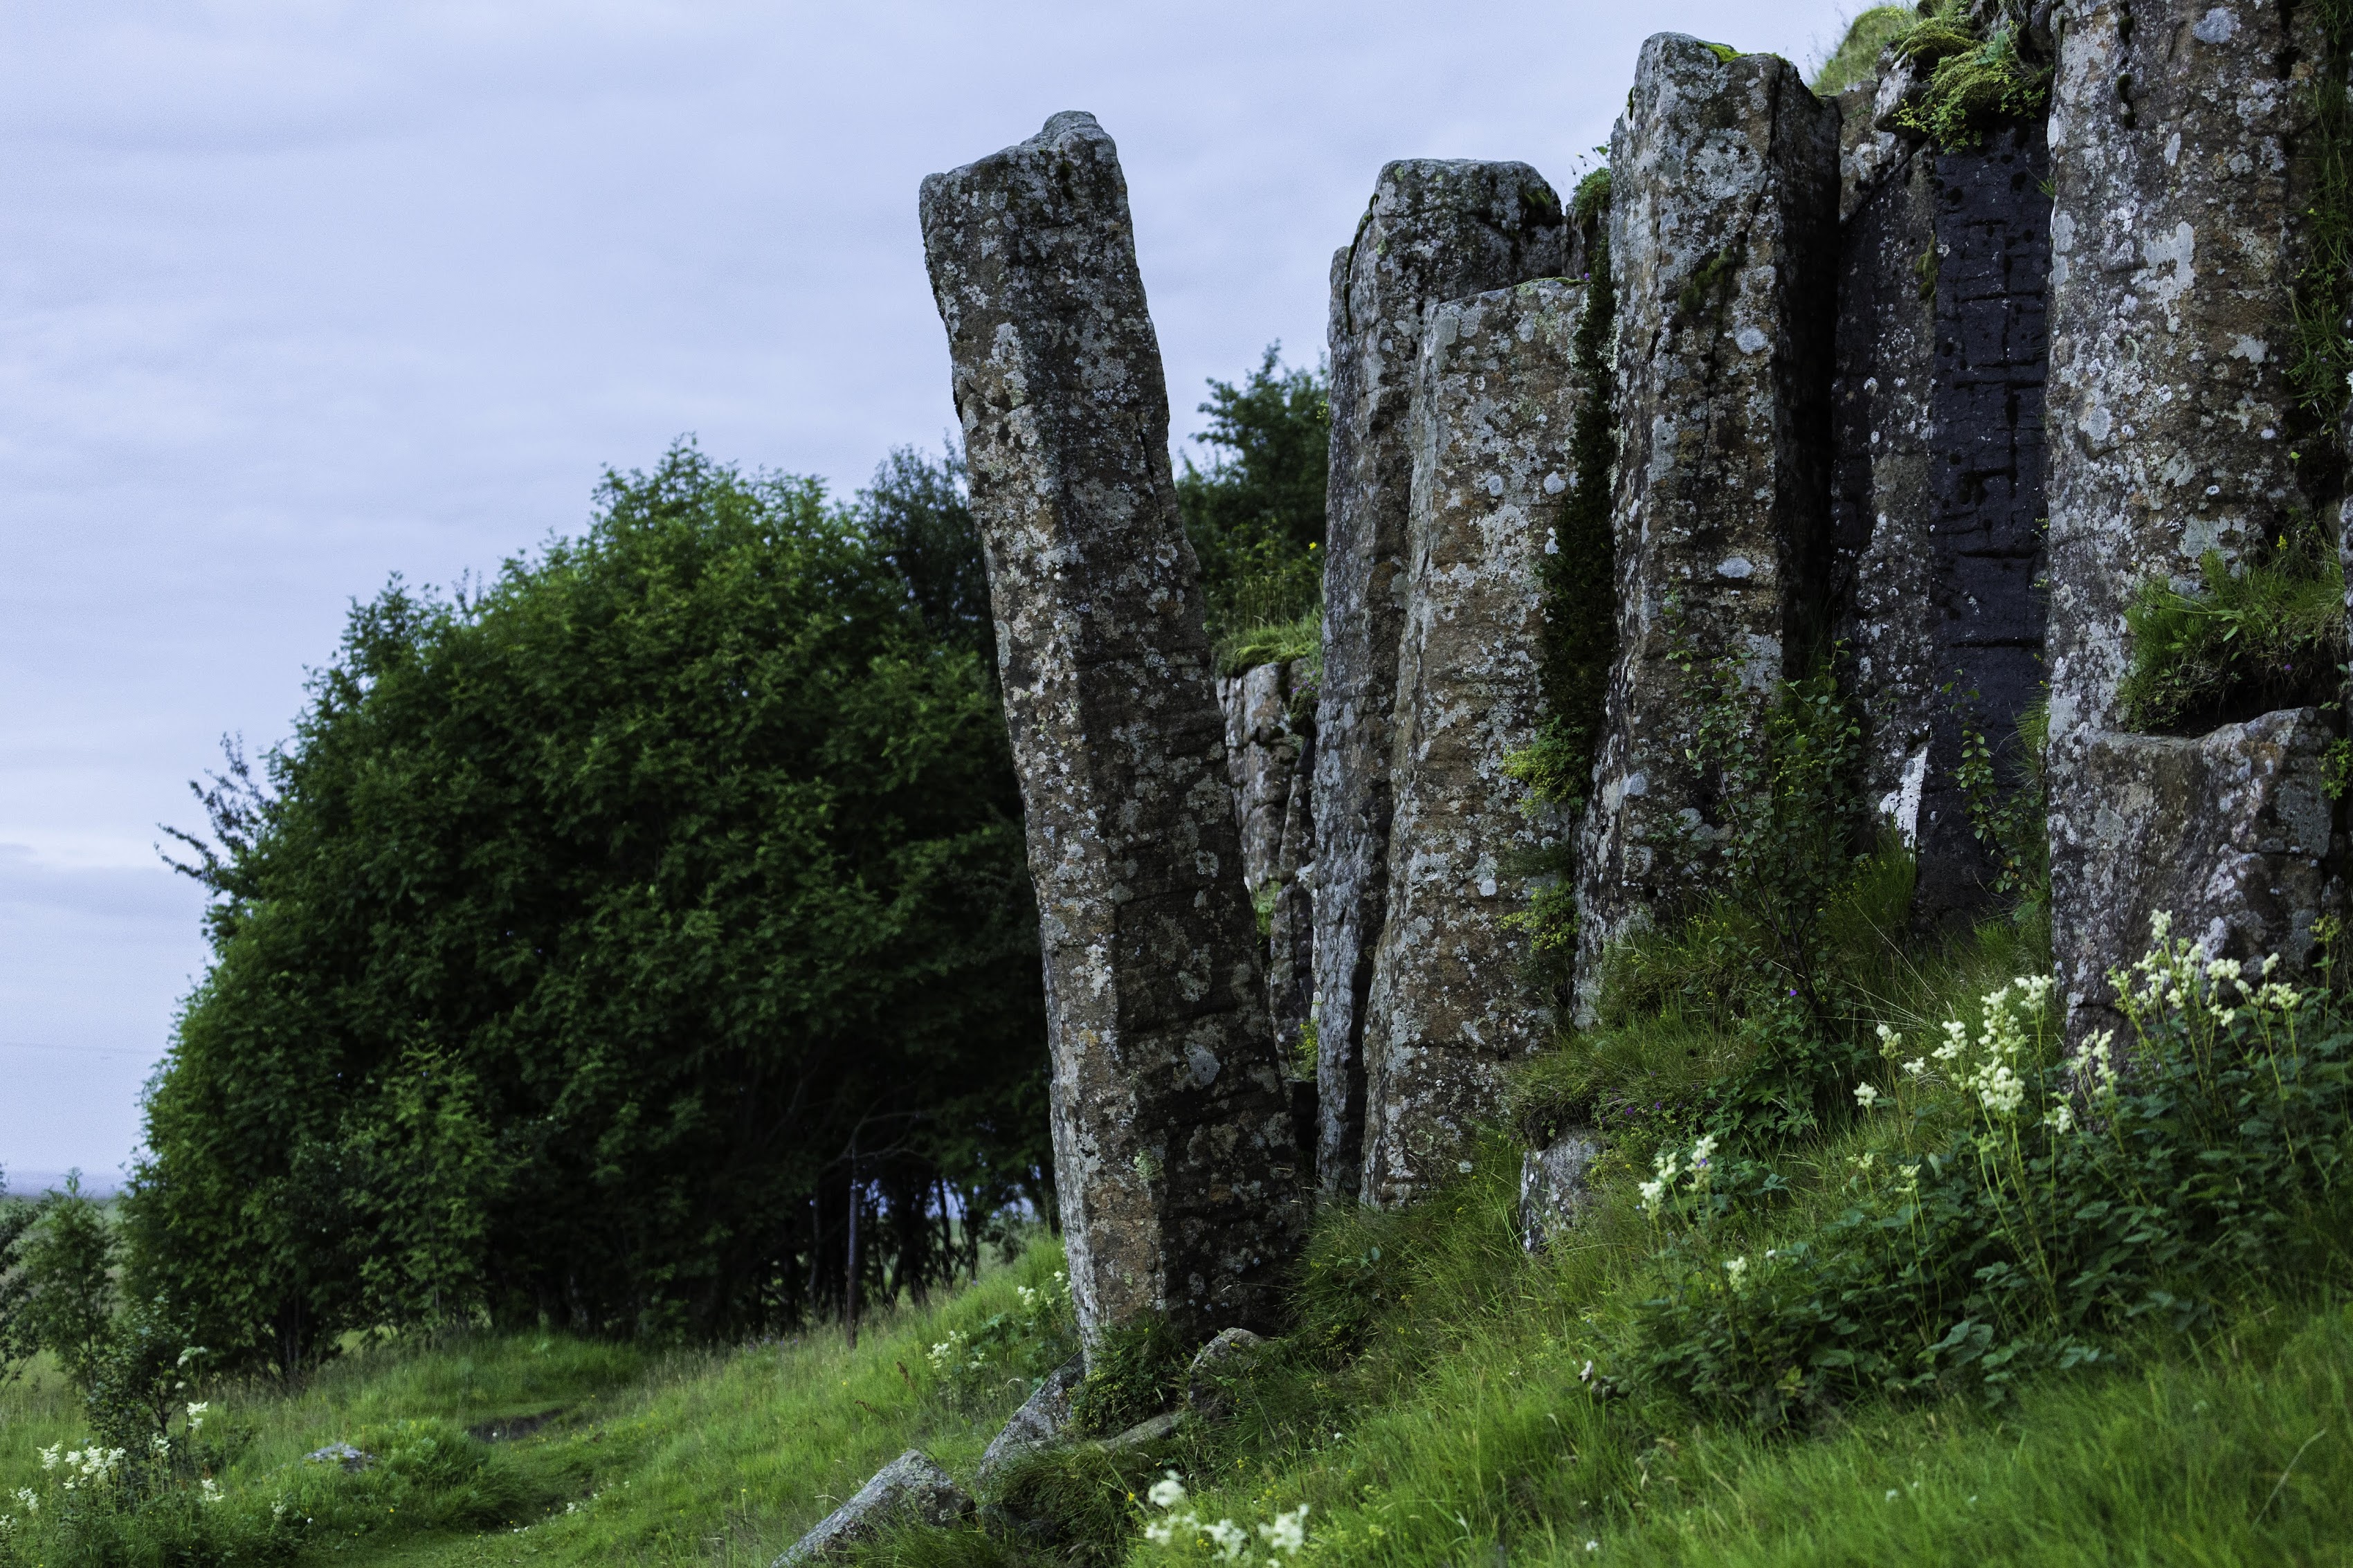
x=1856, y=59
x=1977, y=72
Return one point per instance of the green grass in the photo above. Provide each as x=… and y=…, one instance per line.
x=2267, y=634
x=1856, y=59
x=1273, y=642
x=640, y=1457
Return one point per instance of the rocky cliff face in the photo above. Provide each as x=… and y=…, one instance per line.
x=2176, y=244
x=1174, y=1153
x=1495, y=400
x=1722, y=230
x=1835, y=343
x=1434, y=231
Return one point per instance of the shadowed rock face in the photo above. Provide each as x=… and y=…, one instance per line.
x=1269, y=759
x=1495, y=402
x=1937, y=495
x=1723, y=245
x=1435, y=231
x=1175, y=1158
x=2174, y=252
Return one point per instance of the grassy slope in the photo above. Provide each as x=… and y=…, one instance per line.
x=1460, y=1424
x=654, y=1459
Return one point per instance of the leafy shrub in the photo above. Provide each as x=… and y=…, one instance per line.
x=2022, y=1210
x=1256, y=515
x=2013, y=824
x=2267, y=634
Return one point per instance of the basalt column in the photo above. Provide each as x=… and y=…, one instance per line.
x=1495, y=403
x=2175, y=247
x=1174, y=1153
x=1435, y=231
x=1938, y=493
x=1723, y=241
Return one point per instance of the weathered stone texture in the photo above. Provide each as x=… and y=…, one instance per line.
x=1174, y=1154
x=1725, y=181
x=2174, y=253
x=1554, y=1188
x=1269, y=760
x=1882, y=491
x=1495, y=401
x=1262, y=754
x=1435, y=231
x=2229, y=833
x=1937, y=487
x=909, y=1488
x=1041, y=1422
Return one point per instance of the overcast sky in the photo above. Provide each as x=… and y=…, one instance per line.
x=297, y=296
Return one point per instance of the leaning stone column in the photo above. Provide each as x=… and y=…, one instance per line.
x=1173, y=1150
x=1494, y=403
x=2175, y=249
x=1722, y=238
x=1435, y=231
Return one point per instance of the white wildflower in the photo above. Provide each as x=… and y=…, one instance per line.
x=1229, y=1538
x=1867, y=1095
x=1167, y=1491
x=1736, y=1272
x=209, y=1490
x=197, y=1414
x=1916, y=1068
x=2062, y=1119
x=1288, y=1533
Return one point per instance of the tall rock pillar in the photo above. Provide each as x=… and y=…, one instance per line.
x=1435, y=231
x=2175, y=248
x=1174, y=1153
x=1494, y=405
x=1724, y=245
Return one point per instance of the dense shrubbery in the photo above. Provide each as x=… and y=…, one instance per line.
x=592, y=922
x=2015, y=1210
x=1256, y=517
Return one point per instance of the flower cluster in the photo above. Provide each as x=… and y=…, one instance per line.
x=91, y=1467
x=1693, y=1170
x=2177, y=977
x=1225, y=1541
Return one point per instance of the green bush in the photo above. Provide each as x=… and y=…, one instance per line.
x=2018, y=1211
x=1134, y=1372
x=1010, y=1350
x=2267, y=633
x=1255, y=515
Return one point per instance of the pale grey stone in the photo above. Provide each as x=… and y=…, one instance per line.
x=1435, y=231
x=1152, y=1429
x=1041, y=1422
x=2175, y=248
x=1223, y=1358
x=1723, y=219
x=1176, y=1160
x=1495, y=401
x=342, y=1454
x=2229, y=833
x=908, y=1489
x=1554, y=1187
x=1261, y=754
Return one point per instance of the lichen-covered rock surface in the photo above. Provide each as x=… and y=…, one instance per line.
x=1555, y=1186
x=908, y=1489
x=1041, y=1422
x=1723, y=245
x=2230, y=834
x=1435, y=231
x=1495, y=399
x=1175, y=1157
x=2175, y=250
